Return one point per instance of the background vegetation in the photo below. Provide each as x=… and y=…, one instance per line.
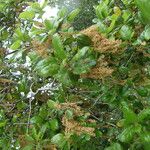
x=67, y=89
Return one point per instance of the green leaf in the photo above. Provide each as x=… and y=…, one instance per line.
x=2, y=6
x=29, y=138
x=83, y=41
x=144, y=6
x=58, y=139
x=145, y=137
x=69, y=114
x=126, y=15
x=142, y=91
x=28, y=147
x=58, y=47
x=64, y=76
x=27, y=15
x=129, y=132
x=42, y=132
x=85, y=57
x=34, y=133
x=42, y=63
x=62, y=12
x=146, y=33
x=54, y=124
x=51, y=104
x=73, y=14
x=129, y=115
x=3, y=123
x=48, y=24
x=126, y=32
x=16, y=45
x=102, y=10
x=114, y=146
x=144, y=114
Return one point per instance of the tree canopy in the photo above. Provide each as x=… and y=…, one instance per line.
x=64, y=89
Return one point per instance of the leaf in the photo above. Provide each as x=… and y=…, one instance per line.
x=142, y=91
x=54, y=124
x=28, y=147
x=129, y=115
x=51, y=104
x=16, y=45
x=58, y=139
x=47, y=67
x=85, y=57
x=42, y=132
x=146, y=33
x=29, y=138
x=3, y=123
x=128, y=133
x=145, y=137
x=42, y=63
x=144, y=114
x=62, y=12
x=83, y=41
x=102, y=10
x=64, y=76
x=27, y=15
x=144, y=6
x=58, y=46
x=73, y=14
x=114, y=146
x=69, y=114
x=126, y=32
x=126, y=15
x=48, y=24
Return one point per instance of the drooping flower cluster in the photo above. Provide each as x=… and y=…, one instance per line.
x=41, y=48
x=100, y=43
x=72, y=125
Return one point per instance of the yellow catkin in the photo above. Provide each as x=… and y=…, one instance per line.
x=100, y=43
x=41, y=48
x=72, y=126
x=76, y=109
x=2, y=52
x=98, y=73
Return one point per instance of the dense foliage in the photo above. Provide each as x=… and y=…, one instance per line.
x=67, y=89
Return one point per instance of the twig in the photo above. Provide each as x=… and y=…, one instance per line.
x=21, y=123
x=29, y=116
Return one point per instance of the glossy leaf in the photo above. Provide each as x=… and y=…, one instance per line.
x=27, y=15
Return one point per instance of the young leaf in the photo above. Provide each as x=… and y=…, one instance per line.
x=16, y=45
x=27, y=15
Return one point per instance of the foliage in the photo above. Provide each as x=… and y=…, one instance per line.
x=86, y=14
x=63, y=89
